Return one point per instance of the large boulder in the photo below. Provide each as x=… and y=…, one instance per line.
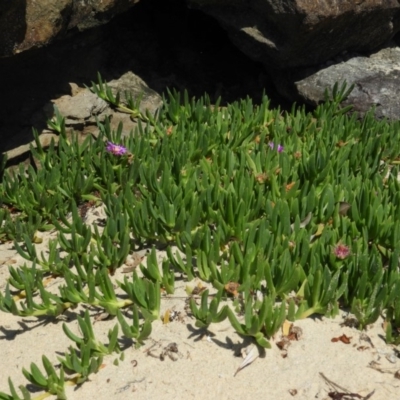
x=376, y=80
x=293, y=33
x=28, y=23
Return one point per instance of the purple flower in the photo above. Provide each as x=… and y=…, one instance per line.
x=279, y=148
x=116, y=149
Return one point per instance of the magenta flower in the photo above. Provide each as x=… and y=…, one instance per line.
x=279, y=148
x=341, y=251
x=116, y=149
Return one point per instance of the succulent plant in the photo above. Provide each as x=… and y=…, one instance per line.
x=290, y=213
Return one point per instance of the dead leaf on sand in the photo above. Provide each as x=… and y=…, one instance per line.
x=8, y=261
x=232, y=287
x=132, y=262
x=251, y=353
x=295, y=333
x=101, y=317
x=197, y=290
x=286, y=326
x=289, y=333
x=344, y=339
x=166, y=316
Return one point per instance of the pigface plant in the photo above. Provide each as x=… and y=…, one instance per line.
x=281, y=214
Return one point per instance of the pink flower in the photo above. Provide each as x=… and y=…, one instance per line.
x=341, y=251
x=279, y=148
x=116, y=149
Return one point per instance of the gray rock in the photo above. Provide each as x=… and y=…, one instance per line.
x=293, y=33
x=376, y=79
x=45, y=139
x=82, y=109
x=26, y=24
x=133, y=84
x=22, y=153
x=79, y=110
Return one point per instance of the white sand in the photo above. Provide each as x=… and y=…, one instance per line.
x=204, y=367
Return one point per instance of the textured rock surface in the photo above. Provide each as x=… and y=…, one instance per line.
x=291, y=33
x=164, y=43
x=28, y=23
x=82, y=109
x=376, y=79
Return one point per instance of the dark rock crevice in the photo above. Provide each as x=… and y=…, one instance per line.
x=13, y=32
x=165, y=43
x=170, y=45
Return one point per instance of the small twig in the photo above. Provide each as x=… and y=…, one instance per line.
x=366, y=338
x=333, y=384
x=147, y=351
x=374, y=365
x=344, y=394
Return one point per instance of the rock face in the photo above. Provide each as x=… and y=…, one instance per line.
x=28, y=23
x=163, y=44
x=293, y=33
x=294, y=38
x=376, y=80
x=139, y=40
x=82, y=109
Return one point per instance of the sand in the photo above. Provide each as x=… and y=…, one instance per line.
x=203, y=364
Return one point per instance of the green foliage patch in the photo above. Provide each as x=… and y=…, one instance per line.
x=299, y=212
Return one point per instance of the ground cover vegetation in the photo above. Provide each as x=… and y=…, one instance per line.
x=283, y=214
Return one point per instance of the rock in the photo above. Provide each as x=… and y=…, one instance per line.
x=198, y=60
x=45, y=139
x=293, y=33
x=21, y=154
x=83, y=108
x=376, y=79
x=27, y=23
x=79, y=110
x=133, y=84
